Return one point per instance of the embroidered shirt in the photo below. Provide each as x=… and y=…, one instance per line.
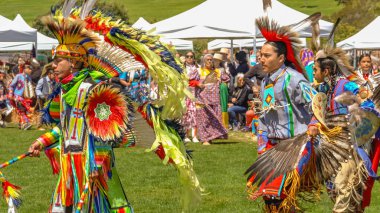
x=292, y=112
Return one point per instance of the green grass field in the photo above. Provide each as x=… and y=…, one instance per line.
x=151, y=186
x=151, y=10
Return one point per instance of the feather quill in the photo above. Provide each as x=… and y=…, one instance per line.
x=314, y=18
x=267, y=4
x=332, y=33
x=67, y=7
x=86, y=8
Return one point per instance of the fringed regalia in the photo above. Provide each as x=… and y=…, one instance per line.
x=302, y=164
x=284, y=148
x=295, y=165
x=351, y=188
x=21, y=93
x=94, y=116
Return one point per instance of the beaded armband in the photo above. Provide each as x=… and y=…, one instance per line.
x=50, y=137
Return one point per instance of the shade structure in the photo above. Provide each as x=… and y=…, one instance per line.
x=219, y=19
x=367, y=38
x=13, y=32
x=27, y=40
x=179, y=44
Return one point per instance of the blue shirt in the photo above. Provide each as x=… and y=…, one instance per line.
x=292, y=112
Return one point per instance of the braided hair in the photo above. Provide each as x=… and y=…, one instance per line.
x=332, y=66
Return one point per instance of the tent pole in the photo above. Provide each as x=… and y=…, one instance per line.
x=254, y=38
x=232, y=51
x=354, y=58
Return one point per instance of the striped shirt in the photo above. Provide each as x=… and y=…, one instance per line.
x=292, y=112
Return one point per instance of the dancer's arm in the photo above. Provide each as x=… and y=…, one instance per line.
x=44, y=140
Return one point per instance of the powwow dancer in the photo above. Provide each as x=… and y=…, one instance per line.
x=95, y=116
x=21, y=93
x=5, y=107
x=351, y=188
x=286, y=96
x=307, y=162
x=346, y=189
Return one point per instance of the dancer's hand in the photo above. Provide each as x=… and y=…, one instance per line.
x=94, y=175
x=35, y=149
x=313, y=130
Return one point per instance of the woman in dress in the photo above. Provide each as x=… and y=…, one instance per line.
x=189, y=120
x=209, y=114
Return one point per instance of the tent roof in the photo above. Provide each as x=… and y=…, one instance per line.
x=367, y=38
x=143, y=24
x=13, y=32
x=179, y=44
x=220, y=15
x=19, y=24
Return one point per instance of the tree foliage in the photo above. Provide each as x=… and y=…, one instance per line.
x=355, y=15
x=114, y=8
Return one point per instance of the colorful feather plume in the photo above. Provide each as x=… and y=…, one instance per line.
x=173, y=84
x=271, y=31
x=71, y=32
x=107, y=113
x=11, y=192
x=104, y=66
x=170, y=148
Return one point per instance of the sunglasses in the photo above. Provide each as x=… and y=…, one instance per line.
x=189, y=56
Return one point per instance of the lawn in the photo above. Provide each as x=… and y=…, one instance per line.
x=326, y=7
x=151, y=10
x=151, y=186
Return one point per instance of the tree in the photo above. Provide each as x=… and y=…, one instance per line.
x=117, y=9
x=355, y=15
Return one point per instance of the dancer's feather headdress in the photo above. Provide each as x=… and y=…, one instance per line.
x=75, y=41
x=112, y=47
x=272, y=32
x=338, y=55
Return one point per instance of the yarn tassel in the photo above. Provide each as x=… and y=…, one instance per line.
x=53, y=154
x=291, y=188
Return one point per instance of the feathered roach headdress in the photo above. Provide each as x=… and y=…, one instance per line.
x=75, y=41
x=338, y=55
x=271, y=31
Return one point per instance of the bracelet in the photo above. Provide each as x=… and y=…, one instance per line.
x=40, y=142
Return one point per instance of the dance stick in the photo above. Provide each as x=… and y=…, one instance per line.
x=15, y=159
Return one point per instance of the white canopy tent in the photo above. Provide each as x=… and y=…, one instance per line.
x=240, y=43
x=20, y=44
x=214, y=19
x=44, y=42
x=11, y=31
x=367, y=38
x=143, y=24
x=179, y=44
